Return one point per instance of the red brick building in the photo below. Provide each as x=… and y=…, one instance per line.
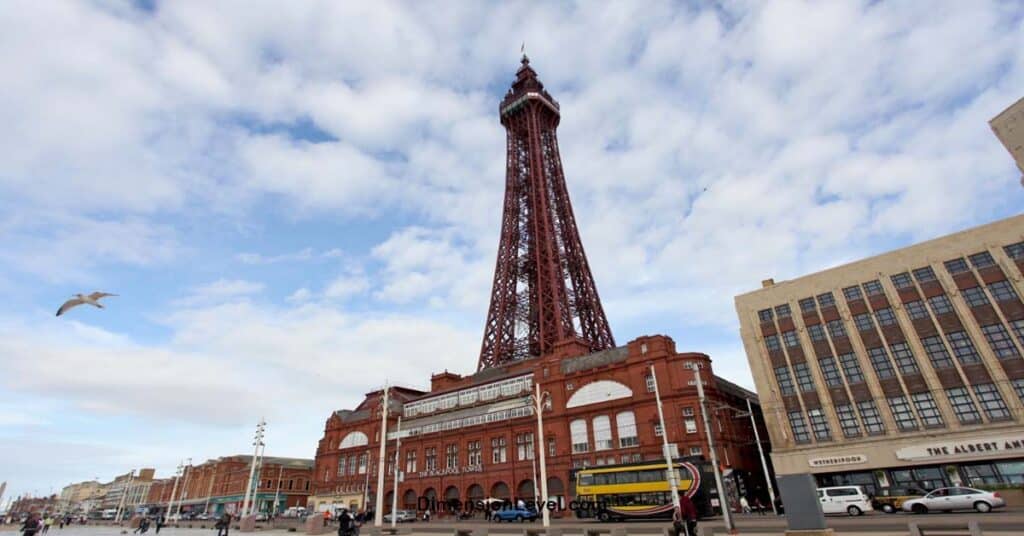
x=472, y=437
x=218, y=485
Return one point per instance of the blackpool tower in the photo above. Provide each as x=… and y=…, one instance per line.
x=543, y=290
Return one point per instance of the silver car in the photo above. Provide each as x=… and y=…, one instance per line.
x=401, y=516
x=957, y=498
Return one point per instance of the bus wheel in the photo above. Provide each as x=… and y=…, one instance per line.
x=604, y=517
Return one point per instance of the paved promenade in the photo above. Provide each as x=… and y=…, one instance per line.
x=998, y=523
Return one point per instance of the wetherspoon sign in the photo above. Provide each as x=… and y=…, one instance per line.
x=989, y=446
x=848, y=459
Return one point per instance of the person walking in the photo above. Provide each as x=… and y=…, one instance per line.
x=759, y=506
x=223, y=525
x=346, y=524
x=31, y=525
x=684, y=519
x=47, y=523
x=159, y=523
x=744, y=504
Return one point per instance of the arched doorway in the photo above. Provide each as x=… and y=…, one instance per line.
x=451, y=499
x=556, y=491
x=499, y=490
x=409, y=500
x=475, y=495
x=555, y=486
x=525, y=489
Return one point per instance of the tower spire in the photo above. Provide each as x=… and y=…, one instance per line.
x=543, y=290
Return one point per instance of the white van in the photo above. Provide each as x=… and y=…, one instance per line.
x=849, y=500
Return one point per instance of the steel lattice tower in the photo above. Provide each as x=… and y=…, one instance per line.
x=543, y=290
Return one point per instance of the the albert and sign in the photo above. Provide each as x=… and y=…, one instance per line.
x=989, y=446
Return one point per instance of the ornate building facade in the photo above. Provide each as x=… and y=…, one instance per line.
x=474, y=437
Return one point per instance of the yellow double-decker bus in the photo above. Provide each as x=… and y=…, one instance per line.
x=638, y=490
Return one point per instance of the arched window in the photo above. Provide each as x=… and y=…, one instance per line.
x=500, y=490
x=525, y=489
x=598, y=392
x=475, y=492
x=602, y=433
x=580, y=440
x=451, y=493
x=626, y=423
x=354, y=439
x=409, y=499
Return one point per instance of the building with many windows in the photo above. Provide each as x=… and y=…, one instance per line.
x=471, y=438
x=81, y=496
x=1008, y=126
x=475, y=437
x=218, y=485
x=903, y=369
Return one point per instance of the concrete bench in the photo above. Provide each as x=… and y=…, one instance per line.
x=971, y=528
x=702, y=530
x=550, y=531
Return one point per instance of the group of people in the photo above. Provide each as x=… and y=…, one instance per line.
x=144, y=524
x=349, y=523
x=758, y=506
x=37, y=523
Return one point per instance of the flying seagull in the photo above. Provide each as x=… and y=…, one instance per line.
x=92, y=299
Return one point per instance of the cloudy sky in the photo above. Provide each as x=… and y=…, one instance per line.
x=299, y=200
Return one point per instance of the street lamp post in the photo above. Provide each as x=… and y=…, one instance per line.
x=394, y=494
x=378, y=515
x=760, y=451
x=124, y=495
x=538, y=404
x=184, y=486
x=257, y=443
x=277, y=492
x=726, y=513
x=174, y=490
x=669, y=466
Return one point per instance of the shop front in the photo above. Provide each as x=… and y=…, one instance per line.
x=987, y=462
x=262, y=502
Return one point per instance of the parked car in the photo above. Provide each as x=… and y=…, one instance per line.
x=955, y=498
x=262, y=516
x=850, y=500
x=517, y=514
x=401, y=516
x=891, y=500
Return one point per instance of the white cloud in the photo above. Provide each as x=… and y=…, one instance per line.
x=304, y=254
x=300, y=295
x=705, y=149
x=346, y=286
x=220, y=290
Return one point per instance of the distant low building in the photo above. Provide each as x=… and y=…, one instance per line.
x=218, y=485
x=80, y=497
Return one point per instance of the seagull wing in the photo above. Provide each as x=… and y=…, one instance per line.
x=68, y=305
x=98, y=295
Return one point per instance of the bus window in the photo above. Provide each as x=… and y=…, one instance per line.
x=626, y=477
x=651, y=475
x=601, y=479
x=586, y=480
